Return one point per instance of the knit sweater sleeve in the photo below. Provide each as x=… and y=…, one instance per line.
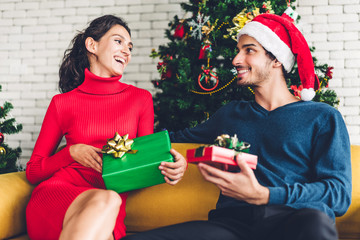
x=44, y=162
x=205, y=132
x=332, y=171
x=146, y=118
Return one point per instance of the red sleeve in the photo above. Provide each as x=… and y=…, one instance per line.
x=146, y=121
x=43, y=162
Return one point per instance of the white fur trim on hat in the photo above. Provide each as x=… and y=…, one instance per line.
x=271, y=42
x=307, y=94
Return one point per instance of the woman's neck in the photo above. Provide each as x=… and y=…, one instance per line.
x=98, y=85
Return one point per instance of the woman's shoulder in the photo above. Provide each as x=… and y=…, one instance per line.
x=64, y=96
x=139, y=91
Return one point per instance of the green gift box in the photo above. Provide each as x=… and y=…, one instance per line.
x=141, y=169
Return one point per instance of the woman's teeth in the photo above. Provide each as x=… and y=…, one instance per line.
x=120, y=60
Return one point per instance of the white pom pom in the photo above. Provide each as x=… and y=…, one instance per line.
x=307, y=94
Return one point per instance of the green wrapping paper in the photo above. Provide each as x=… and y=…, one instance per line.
x=141, y=169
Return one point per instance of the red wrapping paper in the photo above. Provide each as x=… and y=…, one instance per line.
x=219, y=157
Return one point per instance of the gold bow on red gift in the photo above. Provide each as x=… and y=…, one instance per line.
x=224, y=140
x=118, y=146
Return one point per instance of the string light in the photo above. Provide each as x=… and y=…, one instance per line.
x=252, y=91
x=224, y=23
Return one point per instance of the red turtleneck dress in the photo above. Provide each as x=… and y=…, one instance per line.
x=89, y=114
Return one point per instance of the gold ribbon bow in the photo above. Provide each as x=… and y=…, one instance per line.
x=240, y=20
x=224, y=140
x=207, y=29
x=118, y=146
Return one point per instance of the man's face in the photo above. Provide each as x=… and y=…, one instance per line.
x=252, y=64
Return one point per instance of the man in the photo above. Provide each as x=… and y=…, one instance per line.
x=303, y=176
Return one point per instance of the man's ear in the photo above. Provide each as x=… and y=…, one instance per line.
x=91, y=45
x=277, y=63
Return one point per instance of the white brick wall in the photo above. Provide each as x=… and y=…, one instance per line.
x=338, y=20
x=35, y=33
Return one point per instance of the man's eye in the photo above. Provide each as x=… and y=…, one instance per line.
x=118, y=41
x=249, y=50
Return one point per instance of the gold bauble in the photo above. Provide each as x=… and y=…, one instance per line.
x=2, y=151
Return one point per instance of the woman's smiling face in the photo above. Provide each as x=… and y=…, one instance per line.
x=110, y=55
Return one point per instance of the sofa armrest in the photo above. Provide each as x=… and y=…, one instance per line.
x=348, y=225
x=15, y=192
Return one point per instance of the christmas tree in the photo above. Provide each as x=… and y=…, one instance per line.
x=8, y=125
x=196, y=72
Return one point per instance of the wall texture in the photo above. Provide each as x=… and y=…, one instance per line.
x=35, y=33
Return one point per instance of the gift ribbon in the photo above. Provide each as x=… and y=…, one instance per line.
x=118, y=146
x=226, y=141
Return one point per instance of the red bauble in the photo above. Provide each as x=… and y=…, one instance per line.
x=165, y=70
x=179, y=31
x=1, y=138
x=203, y=50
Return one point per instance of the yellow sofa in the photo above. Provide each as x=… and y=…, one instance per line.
x=159, y=205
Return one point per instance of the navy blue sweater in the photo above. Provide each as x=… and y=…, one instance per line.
x=303, y=152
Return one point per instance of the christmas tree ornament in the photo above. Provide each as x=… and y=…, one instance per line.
x=164, y=69
x=206, y=44
x=155, y=83
x=234, y=71
x=196, y=26
x=206, y=30
x=180, y=30
x=208, y=79
x=205, y=47
x=291, y=13
x=1, y=138
x=2, y=151
x=251, y=90
x=214, y=91
x=246, y=16
x=278, y=35
x=297, y=90
x=329, y=73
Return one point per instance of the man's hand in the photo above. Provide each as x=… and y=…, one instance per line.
x=242, y=185
x=87, y=156
x=173, y=171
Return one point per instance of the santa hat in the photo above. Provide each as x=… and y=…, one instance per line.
x=279, y=35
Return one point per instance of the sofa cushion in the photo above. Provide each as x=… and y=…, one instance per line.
x=161, y=205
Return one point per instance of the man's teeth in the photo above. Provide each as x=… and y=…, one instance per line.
x=243, y=71
x=120, y=60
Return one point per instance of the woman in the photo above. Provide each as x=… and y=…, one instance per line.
x=71, y=201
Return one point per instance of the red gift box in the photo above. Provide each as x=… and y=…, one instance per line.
x=219, y=157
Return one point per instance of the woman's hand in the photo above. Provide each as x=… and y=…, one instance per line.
x=87, y=156
x=174, y=171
